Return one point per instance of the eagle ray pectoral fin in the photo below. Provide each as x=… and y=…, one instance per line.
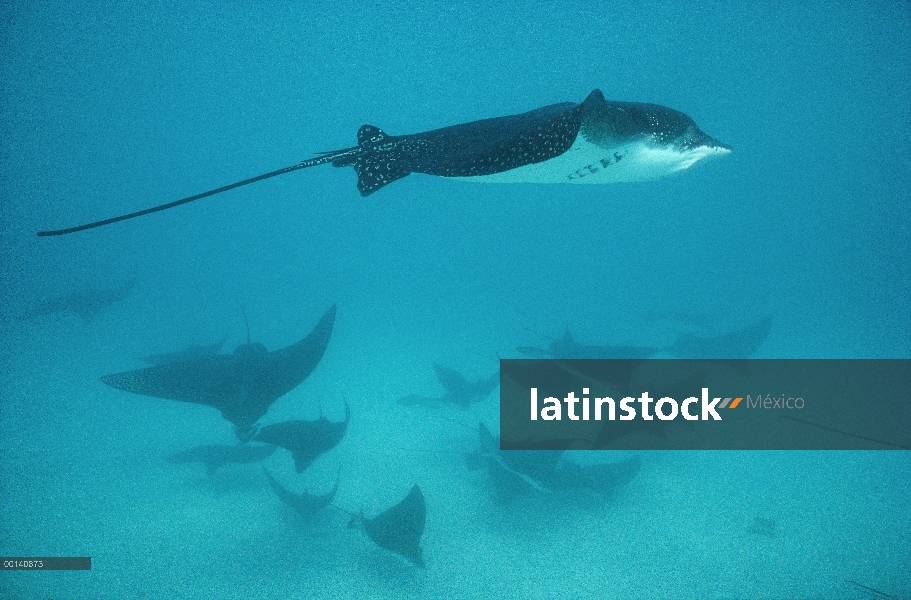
x=375, y=171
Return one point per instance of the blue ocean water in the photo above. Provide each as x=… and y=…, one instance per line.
x=113, y=107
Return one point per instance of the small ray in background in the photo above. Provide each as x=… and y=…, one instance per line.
x=305, y=439
x=85, y=303
x=741, y=343
x=459, y=391
x=398, y=529
x=764, y=527
x=216, y=456
x=305, y=504
x=242, y=385
x=567, y=347
x=513, y=472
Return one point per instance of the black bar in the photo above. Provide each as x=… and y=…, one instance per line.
x=46, y=563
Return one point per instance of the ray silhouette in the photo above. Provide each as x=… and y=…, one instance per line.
x=305, y=439
x=592, y=142
x=398, y=529
x=305, y=504
x=459, y=391
x=85, y=303
x=241, y=385
x=216, y=456
x=513, y=472
x=740, y=343
x=567, y=347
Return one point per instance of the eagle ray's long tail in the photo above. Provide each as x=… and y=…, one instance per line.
x=327, y=157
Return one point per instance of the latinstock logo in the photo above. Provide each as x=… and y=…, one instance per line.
x=629, y=404
x=666, y=408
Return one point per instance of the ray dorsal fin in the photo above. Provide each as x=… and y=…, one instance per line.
x=369, y=136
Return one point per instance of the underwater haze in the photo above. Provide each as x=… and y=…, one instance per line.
x=110, y=107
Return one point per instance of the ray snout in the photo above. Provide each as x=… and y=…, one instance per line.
x=711, y=142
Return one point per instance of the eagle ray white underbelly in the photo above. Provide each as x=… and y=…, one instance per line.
x=585, y=162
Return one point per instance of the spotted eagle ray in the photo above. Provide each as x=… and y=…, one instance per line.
x=547, y=471
x=305, y=504
x=216, y=456
x=86, y=303
x=305, y=439
x=459, y=391
x=241, y=385
x=516, y=468
x=741, y=343
x=567, y=347
x=398, y=529
x=595, y=141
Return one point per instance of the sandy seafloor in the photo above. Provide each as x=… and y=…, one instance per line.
x=109, y=108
